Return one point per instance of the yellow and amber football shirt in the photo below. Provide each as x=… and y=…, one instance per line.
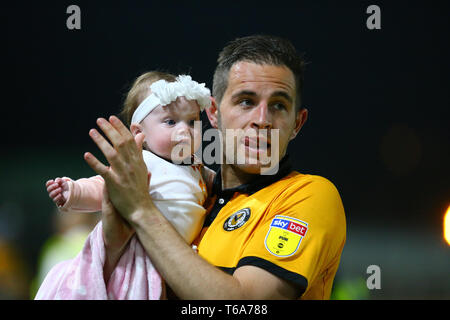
x=290, y=224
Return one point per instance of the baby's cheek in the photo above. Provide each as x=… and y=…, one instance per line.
x=160, y=145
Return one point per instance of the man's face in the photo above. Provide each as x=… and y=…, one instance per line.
x=260, y=97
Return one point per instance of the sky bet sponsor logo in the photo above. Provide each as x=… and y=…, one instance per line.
x=285, y=235
x=290, y=226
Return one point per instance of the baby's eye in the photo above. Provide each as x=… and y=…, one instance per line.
x=170, y=122
x=192, y=123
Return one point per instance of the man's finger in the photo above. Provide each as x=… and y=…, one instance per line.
x=111, y=132
x=120, y=127
x=108, y=151
x=96, y=165
x=126, y=138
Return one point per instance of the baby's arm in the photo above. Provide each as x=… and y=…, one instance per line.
x=82, y=195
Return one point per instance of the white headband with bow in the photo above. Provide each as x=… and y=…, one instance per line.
x=164, y=93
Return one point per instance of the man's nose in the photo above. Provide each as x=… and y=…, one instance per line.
x=263, y=118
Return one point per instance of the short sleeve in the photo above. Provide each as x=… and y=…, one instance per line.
x=302, y=235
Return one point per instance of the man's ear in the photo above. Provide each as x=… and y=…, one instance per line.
x=213, y=113
x=300, y=119
x=135, y=129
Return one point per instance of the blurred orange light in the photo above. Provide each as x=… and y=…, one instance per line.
x=447, y=226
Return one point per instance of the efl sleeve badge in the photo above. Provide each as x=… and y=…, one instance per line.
x=284, y=236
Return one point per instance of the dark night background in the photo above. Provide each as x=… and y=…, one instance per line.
x=378, y=100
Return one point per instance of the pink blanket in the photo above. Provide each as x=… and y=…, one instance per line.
x=81, y=278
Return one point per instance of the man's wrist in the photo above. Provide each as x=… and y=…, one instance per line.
x=145, y=214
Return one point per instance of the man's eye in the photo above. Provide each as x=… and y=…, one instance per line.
x=279, y=106
x=246, y=102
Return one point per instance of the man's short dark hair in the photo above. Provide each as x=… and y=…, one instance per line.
x=259, y=49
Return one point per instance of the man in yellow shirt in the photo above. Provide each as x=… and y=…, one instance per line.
x=276, y=236
x=291, y=225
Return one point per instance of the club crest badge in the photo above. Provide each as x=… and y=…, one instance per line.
x=237, y=219
x=285, y=235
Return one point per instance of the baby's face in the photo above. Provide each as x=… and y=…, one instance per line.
x=171, y=131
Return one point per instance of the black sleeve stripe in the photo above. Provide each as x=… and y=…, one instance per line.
x=230, y=271
x=300, y=281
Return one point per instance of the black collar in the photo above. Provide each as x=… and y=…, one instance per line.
x=256, y=184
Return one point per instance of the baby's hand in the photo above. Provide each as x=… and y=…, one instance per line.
x=58, y=191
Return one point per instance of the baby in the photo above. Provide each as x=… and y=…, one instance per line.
x=167, y=109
